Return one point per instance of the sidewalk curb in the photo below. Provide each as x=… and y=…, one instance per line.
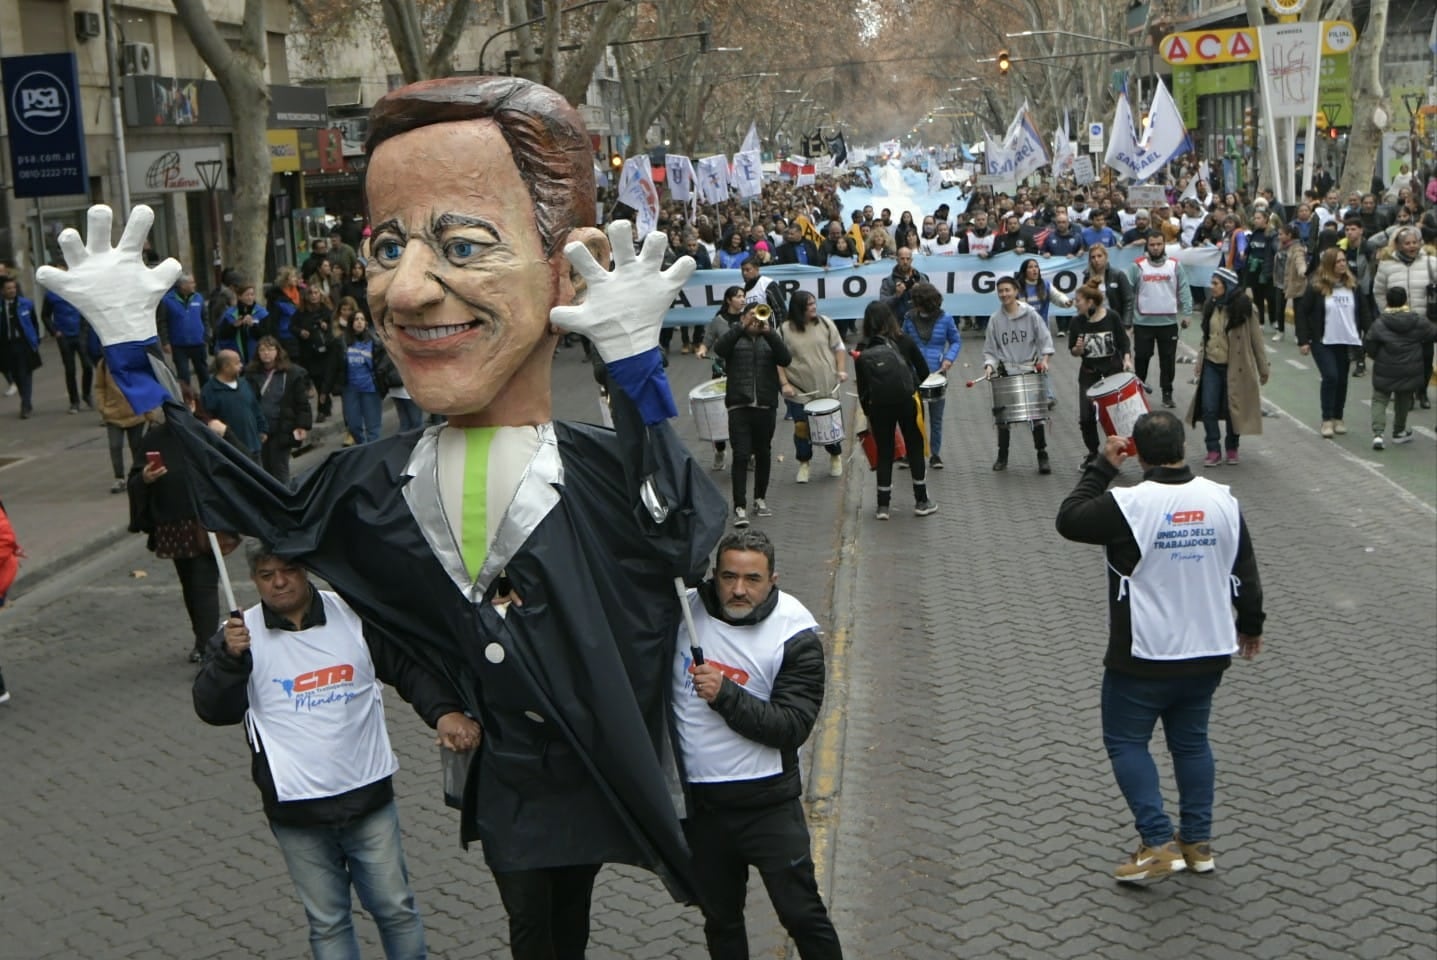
x=826, y=766
x=36, y=574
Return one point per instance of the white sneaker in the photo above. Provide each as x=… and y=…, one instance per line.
x=1277, y=338
x=11, y=390
x=882, y=514
x=1377, y=442
x=760, y=508
x=1338, y=427
x=835, y=465
x=740, y=517
x=720, y=460
x=1326, y=429
x=802, y=473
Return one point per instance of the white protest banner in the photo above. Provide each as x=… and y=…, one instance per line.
x=1083, y=170
x=713, y=179
x=1289, y=68
x=679, y=171
x=747, y=174
x=999, y=182
x=1147, y=196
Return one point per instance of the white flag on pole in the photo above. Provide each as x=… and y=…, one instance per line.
x=747, y=174
x=1165, y=138
x=637, y=190
x=1065, y=152
x=750, y=141
x=713, y=179
x=679, y=171
x=1025, y=144
x=997, y=159
x=935, y=175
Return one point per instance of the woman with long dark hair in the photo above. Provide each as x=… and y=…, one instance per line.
x=889, y=368
x=729, y=315
x=906, y=233
x=283, y=391
x=363, y=393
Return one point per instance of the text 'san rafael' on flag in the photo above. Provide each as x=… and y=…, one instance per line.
x=1026, y=144
x=637, y=190
x=1165, y=138
x=997, y=159
x=712, y=179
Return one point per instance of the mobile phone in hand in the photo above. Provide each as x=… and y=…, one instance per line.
x=154, y=458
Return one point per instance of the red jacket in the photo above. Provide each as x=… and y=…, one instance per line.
x=10, y=554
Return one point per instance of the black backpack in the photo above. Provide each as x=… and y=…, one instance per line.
x=887, y=377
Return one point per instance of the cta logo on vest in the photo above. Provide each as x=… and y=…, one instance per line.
x=1184, y=516
x=319, y=687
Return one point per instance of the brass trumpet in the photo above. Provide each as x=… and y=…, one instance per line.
x=763, y=313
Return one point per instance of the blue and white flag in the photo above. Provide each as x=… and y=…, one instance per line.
x=998, y=160
x=747, y=177
x=1065, y=152
x=1165, y=138
x=1024, y=143
x=713, y=179
x=637, y=190
x=750, y=140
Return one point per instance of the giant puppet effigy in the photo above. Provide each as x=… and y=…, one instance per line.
x=531, y=561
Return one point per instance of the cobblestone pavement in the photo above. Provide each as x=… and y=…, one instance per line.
x=977, y=815
x=963, y=803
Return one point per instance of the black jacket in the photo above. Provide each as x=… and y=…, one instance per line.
x=751, y=364
x=900, y=302
x=1118, y=293
x=1091, y=515
x=910, y=352
x=787, y=253
x=1395, y=345
x=221, y=697
x=1310, y=315
x=783, y=722
x=294, y=410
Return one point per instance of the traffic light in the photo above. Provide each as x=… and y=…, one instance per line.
x=1005, y=63
x=616, y=160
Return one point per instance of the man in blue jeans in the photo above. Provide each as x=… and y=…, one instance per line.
x=1179, y=561
x=303, y=673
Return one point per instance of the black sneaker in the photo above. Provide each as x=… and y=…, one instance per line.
x=924, y=507
x=1000, y=464
x=936, y=462
x=1044, y=466
x=740, y=517
x=1359, y=372
x=1168, y=399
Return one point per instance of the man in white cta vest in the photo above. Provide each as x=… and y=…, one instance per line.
x=748, y=684
x=1160, y=294
x=1180, y=560
x=303, y=674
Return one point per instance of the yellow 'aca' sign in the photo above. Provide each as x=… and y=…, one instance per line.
x=1194, y=48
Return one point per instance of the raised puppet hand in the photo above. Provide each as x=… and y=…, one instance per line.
x=623, y=309
x=111, y=285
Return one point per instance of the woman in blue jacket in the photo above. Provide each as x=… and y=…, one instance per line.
x=239, y=328
x=19, y=341
x=936, y=334
x=363, y=393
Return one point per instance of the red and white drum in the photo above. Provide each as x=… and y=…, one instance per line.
x=1118, y=401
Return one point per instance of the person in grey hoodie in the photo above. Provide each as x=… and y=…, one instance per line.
x=1017, y=337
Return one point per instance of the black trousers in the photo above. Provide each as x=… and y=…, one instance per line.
x=1087, y=416
x=725, y=843
x=274, y=457
x=750, y=430
x=1165, y=340
x=548, y=910
x=1005, y=437
x=882, y=421
x=200, y=584
x=71, y=351
x=1266, y=300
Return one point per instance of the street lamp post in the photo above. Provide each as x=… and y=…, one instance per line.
x=209, y=171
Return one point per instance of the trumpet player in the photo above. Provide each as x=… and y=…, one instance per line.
x=752, y=352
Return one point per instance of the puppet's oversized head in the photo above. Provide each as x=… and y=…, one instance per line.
x=474, y=186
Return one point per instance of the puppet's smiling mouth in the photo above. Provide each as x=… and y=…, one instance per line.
x=439, y=333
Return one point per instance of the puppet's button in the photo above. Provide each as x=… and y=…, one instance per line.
x=533, y=716
x=494, y=653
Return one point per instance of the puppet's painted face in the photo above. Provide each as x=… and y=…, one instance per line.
x=459, y=286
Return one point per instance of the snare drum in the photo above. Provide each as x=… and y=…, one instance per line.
x=933, y=388
x=1019, y=398
x=1118, y=401
x=706, y=403
x=825, y=421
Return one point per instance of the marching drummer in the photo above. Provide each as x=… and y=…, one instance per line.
x=1017, y=338
x=729, y=315
x=936, y=334
x=1101, y=340
x=818, y=365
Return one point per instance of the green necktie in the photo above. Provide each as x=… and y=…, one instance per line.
x=474, y=519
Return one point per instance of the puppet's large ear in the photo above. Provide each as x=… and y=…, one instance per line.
x=572, y=284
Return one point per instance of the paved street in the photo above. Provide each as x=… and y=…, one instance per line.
x=963, y=803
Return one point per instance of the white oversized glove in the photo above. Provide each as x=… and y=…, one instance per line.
x=623, y=310
x=111, y=286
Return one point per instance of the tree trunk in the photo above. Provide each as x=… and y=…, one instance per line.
x=240, y=73
x=1365, y=136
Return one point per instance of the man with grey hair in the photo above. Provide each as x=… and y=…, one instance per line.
x=748, y=685
x=182, y=329
x=303, y=673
